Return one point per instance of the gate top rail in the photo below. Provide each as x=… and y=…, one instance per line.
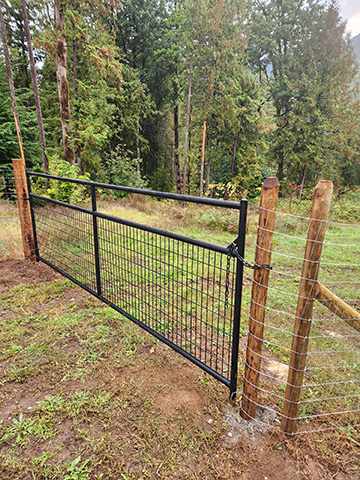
x=153, y=193
x=140, y=226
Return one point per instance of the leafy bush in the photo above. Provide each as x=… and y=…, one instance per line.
x=123, y=170
x=66, y=191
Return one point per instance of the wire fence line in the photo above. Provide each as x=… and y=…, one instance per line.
x=330, y=392
x=10, y=242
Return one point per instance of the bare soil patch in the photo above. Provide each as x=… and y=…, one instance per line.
x=14, y=272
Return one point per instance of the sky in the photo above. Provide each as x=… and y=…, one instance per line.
x=350, y=11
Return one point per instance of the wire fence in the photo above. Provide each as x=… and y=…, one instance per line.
x=10, y=241
x=330, y=391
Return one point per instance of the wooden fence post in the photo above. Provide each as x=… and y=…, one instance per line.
x=22, y=194
x=268, y=202
x=308, y=289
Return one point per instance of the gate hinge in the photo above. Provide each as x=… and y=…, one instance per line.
x=233, y=252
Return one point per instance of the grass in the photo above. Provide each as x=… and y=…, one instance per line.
x=10, y=239
x=96, y=405
x=108, y=421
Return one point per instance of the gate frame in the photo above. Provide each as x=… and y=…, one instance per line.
x=239, y=244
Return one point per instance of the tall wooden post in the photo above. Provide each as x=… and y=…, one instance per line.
x=22, y=194
x=308, y=289
x=268, y=202
x=202, y=162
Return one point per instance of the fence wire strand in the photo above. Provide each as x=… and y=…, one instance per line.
x=331, y=387
x=178, y=290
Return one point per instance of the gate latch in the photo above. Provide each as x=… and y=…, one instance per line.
x=233, y=252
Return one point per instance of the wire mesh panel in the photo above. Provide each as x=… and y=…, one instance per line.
x=184, y=291
x=10, y=244
x=7, y=185
x=175, y=288
x=65, y=239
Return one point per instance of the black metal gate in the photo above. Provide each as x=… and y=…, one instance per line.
x=184, y=291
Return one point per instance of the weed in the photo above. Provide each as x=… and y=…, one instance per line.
x=76, y=403
x=42, y=459
x=19, y=431
x=51, y=403
x=77, y=470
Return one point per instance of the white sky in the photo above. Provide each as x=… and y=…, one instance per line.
x=350, y=11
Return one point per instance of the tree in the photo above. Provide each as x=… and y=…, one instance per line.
x=301, y=53
x=9, y=73
x=224, y=94
x=35, y=86
x=62, y=82
x=9, y=147
x=143, y=32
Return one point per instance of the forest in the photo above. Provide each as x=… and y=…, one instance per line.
x=203, y=97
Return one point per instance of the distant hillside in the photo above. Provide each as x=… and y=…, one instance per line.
x=356, y=44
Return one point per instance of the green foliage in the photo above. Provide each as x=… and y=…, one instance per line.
x=224, y=93
x=122, y=169
x=66, y=191
x=309, y=72
x=275, y=82
x=161, y=180
x=9, y=147
x=77, y=470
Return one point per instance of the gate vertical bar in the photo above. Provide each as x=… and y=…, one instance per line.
x=32, y=213
x=240, y=243
x=96, y=239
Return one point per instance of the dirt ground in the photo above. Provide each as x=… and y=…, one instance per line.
x=158, y=404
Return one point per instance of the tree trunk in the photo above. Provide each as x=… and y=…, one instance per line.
x=187, y=122
x=233, y=160
x=138, y=153
x=176, y=142
x=24, y=61
x=75, y=81
x=62, y=82
x=208, y=166
x=9, y=74
x=35, y=86
x=202, y=162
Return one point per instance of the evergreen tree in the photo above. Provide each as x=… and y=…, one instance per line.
x=302, y=55
x=224, y=94
x=9, y=147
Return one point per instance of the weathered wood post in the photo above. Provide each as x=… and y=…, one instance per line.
x=337, y=306
x=308, y=290
x=268, y=202
x=22, y=194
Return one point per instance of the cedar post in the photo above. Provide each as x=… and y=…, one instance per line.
x=22, y=194
x=337, y=306
x=268, y=202
x=308, y=289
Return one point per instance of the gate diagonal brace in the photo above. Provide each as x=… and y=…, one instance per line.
x=232, y=252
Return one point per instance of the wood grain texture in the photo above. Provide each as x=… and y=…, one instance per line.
x=268, y=202
x=315, y=238
x=337, y=306
x=22, y=194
